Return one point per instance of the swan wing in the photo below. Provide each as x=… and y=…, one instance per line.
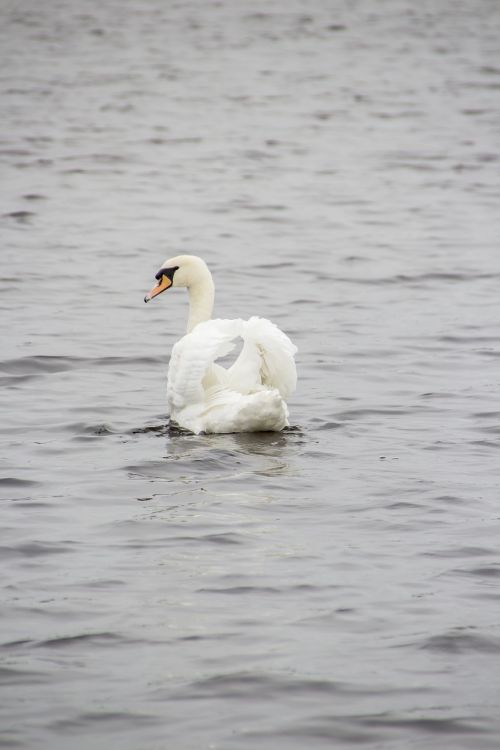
x=267, y=357
x=199, y=387
x=192, y=361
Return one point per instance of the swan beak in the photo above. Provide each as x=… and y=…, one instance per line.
x=160, y=287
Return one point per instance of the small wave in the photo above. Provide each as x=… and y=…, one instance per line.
x=417, y=279
x=43, y=363
x=328, y=426
x=96, y=639
x=113, y=720
x=352, y=414
x=483, y=572
x=22, y=217
x=34, y=197
x=20, y=677
x=248, y=684
x=15, y=482
x=81, y=429
x=238, y=590
x=11, y=381
x=461, y=552
x=35, y=549
x=455, y=642
x=39, y=364
x=424, y=723
x=157, y=429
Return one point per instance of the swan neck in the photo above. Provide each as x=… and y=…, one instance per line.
x=201, y=302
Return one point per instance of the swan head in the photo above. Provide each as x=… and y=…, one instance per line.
x=182, y=271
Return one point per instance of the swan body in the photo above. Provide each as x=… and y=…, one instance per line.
x=203, y=396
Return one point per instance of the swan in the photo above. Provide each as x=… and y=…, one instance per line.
x=203, y=396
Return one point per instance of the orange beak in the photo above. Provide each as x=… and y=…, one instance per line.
x=163, y=284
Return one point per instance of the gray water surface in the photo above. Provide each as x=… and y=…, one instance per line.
x=337, y=166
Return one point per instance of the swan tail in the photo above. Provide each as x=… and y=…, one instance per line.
x=226, y=411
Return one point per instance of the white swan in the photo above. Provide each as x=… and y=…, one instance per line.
x=203, y=396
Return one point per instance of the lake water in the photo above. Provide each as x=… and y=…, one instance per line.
x=337, y=166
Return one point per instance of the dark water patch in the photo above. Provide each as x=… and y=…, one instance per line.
x=207, y=637
x=430, y=725
x=474, y=111
x=489, y=70
x=10, y=676
x=197, y=541
x=460, y=552
x=95, y=639
x=34, y=164
x=241, y=590
x=16, y=644
x=99, y=429
x=328, y=426
x=49, y=364
x=160, y=430
x=318, y=455
x=336, y=27
x=264, y=686
x=482, y=572
x=22, y=217
x=193, y=457
x=8, y=741
x=485, y=443
x=15, y=482
x=478, y=339
x=328, y=729
x=188, y=466
x=35, y=549
x=34, y=197
x=88, y=430
x=175, y=430
x=355, y=259
x=28, y=502
x=223, y=539
x=249, y=685
x=13, y=381
x=104, y=157
x=348, y=729
x=489, y=353
x=489, y=429
x=354, y=414
x=14, y=152
x=418, y=280
x=430, y=395
x=40, y=364
x=404, y=505
x=105, y=583
x=366, y=353
x=488, y=571
x=456, y=642
x=104, y=721
x=276, y=266
x=450, y=500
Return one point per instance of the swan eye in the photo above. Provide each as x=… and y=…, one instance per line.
x=168, y=272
